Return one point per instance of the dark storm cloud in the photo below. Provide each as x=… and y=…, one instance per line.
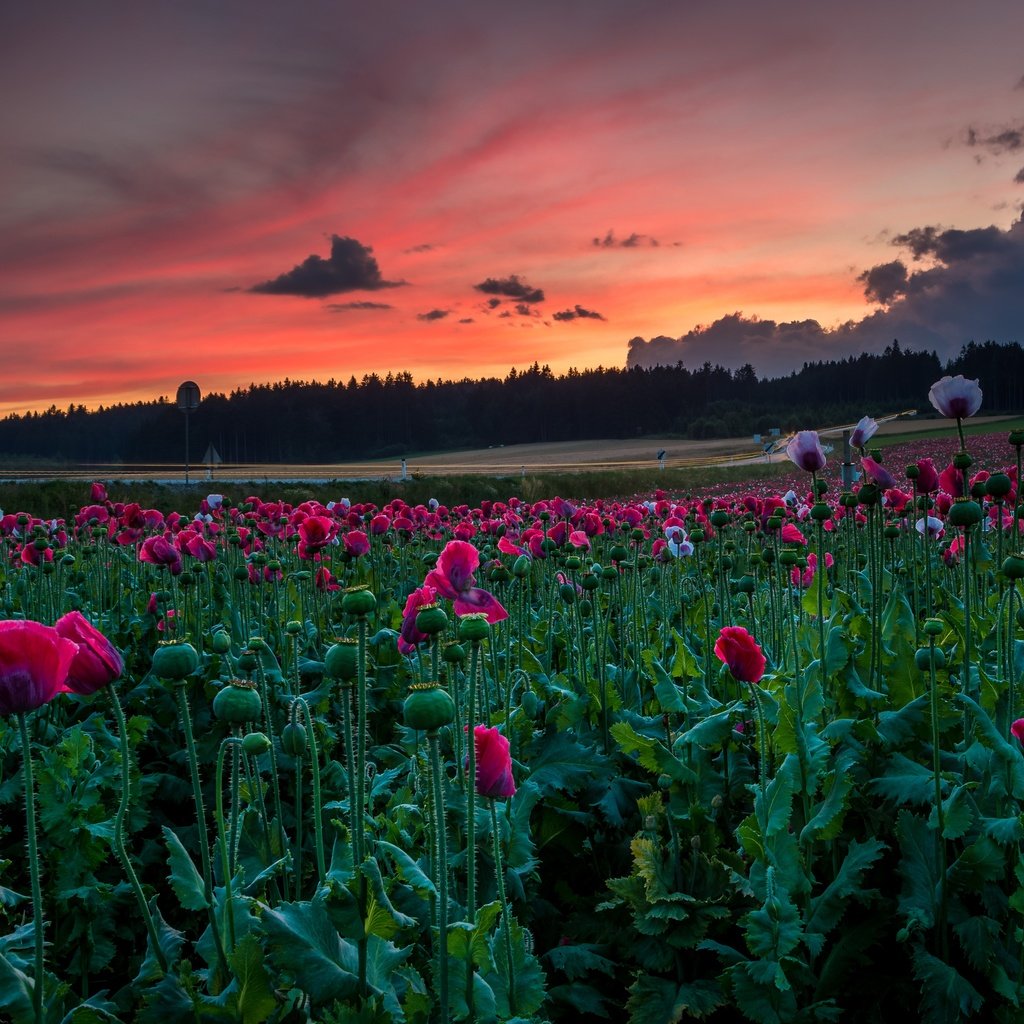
x=631, y=241
x=970, y=292
x=434, y=314
x=1000, y=140
x=512, y=287
x=344, y=307
x=351, y=267
x=884, y=282
x=579, y=313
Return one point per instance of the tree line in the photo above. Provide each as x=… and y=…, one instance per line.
x=393, y=416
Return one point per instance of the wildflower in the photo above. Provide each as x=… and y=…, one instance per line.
x=97, y=663
x=34, y=664
x=805, y=451
x=493, y=763
x=738, y=649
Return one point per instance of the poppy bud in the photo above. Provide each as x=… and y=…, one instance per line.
x=294, y=739
x=256, y=743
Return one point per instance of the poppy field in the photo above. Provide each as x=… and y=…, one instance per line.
x=753, y=754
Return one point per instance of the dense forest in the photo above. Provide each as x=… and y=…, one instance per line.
x=392, y=416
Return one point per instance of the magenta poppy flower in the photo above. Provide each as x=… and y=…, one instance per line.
x=97, y=663
x=805, y=451
x=160, y=551
x=409, y=636
x=34, y=664
x=877, y=473
x=863, y=432
x=1018, y=729
x=97, y=492
x=493, y=763
x=356, y=543
x=791, y=534
x=201, y=549
x=453, y=579
x=741, y=652
x=955, y=397
x=927, y=477
x=951, y=480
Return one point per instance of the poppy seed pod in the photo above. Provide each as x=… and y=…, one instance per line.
x=220, y=642
x=998, y=486
x=964, y=513
x=962, y=461
x=820, y=511
x=428, y=707
x=719, y=517
x=174, y=659
x=474, y=627
x=431, y=619
x=1013, y=567
x=358, y=601
x=237, y=702
x=342, y=658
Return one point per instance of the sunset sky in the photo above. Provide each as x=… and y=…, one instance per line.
x=242, y=191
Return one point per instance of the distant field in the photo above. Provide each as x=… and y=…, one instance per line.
x=504, y=461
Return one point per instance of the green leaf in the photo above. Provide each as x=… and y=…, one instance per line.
x=958, y=815
x=837, y=651
x=661, y=1001
x=381, y=917
x=945, y=994
x=651, y=753
x=254, y=1000
x=774, y=930
x=665, y=689
x=1004, y=831
x=186, y=881
x=774, y=806
x=565, y=763
x=896, y=727
x=713, y=730
x=829, y=810
x=408, y=870
x=302, y=942
x=827, y=909
x=169, y=940
x=16, y=992
x=528, y=978
x=919, y=869
x=982, y=861
x=577, y=961
x=904, y=781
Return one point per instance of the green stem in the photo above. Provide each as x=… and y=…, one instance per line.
x=940, y=840
x=499, y=872
x=441, y=842
x=474, y=668
x=222, y=842
x=120, y=849
x=33, y=863
x=197, y=795
x=318, y=813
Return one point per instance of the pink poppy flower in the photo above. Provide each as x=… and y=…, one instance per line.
x=863, y=432
x=493, y=763
x=97, y=663
x=160, y=551
x=34, y=665
x=453, y=579
x=877, y=473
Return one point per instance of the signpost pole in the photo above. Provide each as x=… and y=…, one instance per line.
x=188, y=402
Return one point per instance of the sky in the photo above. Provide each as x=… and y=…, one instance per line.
x=240, y=192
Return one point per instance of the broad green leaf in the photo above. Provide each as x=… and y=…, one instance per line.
x=186, y=881
x=254, y=1000
x=945, y=994
x=827, y=813
x=775, y=805
x=665, y=689
x=958, y=814
x=16, y=989
x=652, y=754
x=565, y=763
x=170, y=940
x=904, y=781
x=408, y=870
x=302, y=942
x=828, y=907
x=919, y=869
x=655, y=1000
x=521, y=990
x=773, y=930
x=577, y=961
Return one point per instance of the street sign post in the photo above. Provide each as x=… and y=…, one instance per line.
x=188, y=402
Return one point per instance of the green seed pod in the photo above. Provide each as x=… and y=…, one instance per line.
x=247, y=661
x=998, y=485
x=294, y=739
x=788, y=557
x=609, y=572
x=256, y=743
x=923, y=658
x=431, y=619
x=719, y=517
x=220, y=642
x=820, y=512
x=962, y=461
x=567, y=592
x=964, y=513
x=499, y=574
x=869, y=494
x=428, y=707
x=618, y=553
x=590, y=581
x=574, y=563
x=726, y=562
x=342, y=659
x=774, y=524
x=934, y=627
x=237, y=702
x=697, y=535
x=912, y=472
x=453, y=653
x=890, y=531
x=358, y=601
x=1013, y=566
x=746, y=585
x=174, y=659
x=530, y=703
x=1016, y=438
x=586, y=608
x=474, y=627
x=293, y=627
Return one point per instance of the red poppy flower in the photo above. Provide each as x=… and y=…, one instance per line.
x=97, y=663
x=34, y=663
x=741, y=652
x=493, y=763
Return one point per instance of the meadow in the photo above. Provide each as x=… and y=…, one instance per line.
x=704, y=743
